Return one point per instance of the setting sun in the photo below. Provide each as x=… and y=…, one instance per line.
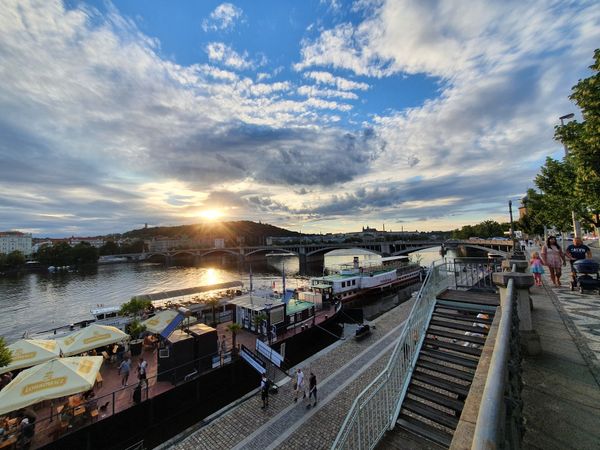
x=211, y=214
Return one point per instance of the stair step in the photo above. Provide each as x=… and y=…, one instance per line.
x=460, y=374
x=472, y=309
x=435, y=397
x=459, y=337
x=461, y=317
x=431, y=413
x=449, y=386
x=454, y=347
x=458, y=326
x=449, y=357
x=427, y=431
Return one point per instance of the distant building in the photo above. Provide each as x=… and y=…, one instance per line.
x=219, y=243
x=15, y=240
x=93, y=241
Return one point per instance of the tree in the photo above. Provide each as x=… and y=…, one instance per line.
x=110, y=248
x=213, y=302
x=582, y=139
x=234, y=328
x=84, y=253
x=135, y=307
x=556, y=202
x=5, y=354
x=532, y=223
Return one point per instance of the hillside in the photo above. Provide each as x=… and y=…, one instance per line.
x=252, y=233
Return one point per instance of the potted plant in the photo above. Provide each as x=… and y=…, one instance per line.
x=234, y=328
x=135, y=330
x=135, y=307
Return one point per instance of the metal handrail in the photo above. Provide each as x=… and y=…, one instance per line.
x=491, y=417
x=376, y=408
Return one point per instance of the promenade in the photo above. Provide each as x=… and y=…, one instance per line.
x=561, y=393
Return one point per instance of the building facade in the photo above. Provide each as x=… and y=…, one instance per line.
x=15, y=240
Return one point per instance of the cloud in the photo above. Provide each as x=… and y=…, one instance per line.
x=339, y=82
x=312, y=91
x=223, y=17
x=219, y=52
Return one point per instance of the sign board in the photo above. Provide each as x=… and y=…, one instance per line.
x=269, y=353
x=216, y=361
x=249, y=357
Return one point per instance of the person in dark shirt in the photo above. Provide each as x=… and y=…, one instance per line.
x=312, y=386
x=576, y=251
x=265, y=384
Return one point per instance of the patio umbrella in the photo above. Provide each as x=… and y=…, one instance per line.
x=52, y=379
x=90, y=337
x=160, y=321
x=29, y=352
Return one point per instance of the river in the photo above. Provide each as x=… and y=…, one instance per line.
x=40, y=301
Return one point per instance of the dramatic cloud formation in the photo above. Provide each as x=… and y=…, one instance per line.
x=102, y=130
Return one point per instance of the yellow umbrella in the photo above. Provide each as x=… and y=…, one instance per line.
x=90, y=337
x=160, y=321
x=29, y=352
x=52, y=379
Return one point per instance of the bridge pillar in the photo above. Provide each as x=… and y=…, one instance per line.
x=197, y=259
x=385, y=249
x=303, y=261
x=530, y=340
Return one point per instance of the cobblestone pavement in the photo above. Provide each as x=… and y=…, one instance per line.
x=582, y=313
x=342, y=373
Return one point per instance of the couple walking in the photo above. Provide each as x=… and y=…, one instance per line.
x=299, y=387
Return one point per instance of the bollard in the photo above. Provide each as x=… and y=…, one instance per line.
x=530, y=340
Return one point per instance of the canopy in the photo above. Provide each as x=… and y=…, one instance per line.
x=29, y=352
x=90, y=337
x=52, y=379
x=160, y=320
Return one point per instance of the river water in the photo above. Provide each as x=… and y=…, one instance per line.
x=39, y=301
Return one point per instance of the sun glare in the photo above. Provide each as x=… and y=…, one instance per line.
x=211, y=214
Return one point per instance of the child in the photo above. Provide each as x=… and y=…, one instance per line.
x=537, y=269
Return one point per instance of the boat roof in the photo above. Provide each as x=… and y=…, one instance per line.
x=295, y=306
x=344, y=276
x=105, y=309
x=256, y=301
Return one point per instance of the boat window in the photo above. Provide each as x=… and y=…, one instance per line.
x=110, y=315
x=343, y=284
x=99, y=316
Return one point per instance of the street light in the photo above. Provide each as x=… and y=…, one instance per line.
x=576, y=225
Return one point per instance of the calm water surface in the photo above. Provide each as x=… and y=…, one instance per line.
x=41, y=301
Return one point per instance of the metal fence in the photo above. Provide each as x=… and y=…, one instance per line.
x=473, y=272
x=500, y=420
x=378, y=405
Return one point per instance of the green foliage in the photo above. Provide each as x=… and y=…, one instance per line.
x=135, y=307
x=485, y=229
x=555, y=181
x=234, y=328
x=213, y=302
x=258, y=319
x=533, y=221
x=62, y=254
x=135, y=329
x=110, y=248
x=13, y=260
x=5, y=354
x=583, y=143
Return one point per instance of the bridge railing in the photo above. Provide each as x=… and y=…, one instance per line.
x=376, y=408
x=473, y=272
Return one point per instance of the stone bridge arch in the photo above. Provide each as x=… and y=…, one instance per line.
x=329, y=249
x=272, y=250
x=220, y=250
x=406, y=251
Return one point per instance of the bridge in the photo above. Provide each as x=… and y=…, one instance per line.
x=461, y=366
x=307, y=252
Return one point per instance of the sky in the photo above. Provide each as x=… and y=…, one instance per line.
x=317, y=116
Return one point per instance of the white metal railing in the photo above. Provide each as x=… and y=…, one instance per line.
x=377, y=407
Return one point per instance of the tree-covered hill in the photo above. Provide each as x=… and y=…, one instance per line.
x=251, y=233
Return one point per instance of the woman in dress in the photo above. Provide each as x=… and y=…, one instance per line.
x=553, y=258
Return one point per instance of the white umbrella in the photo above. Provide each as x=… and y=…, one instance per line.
x=29, y=352
x=160, y=321
x=52, y=379
x=90, y=337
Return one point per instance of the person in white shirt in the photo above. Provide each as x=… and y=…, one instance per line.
x=299, y=385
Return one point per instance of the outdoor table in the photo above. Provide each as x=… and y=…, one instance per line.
x=74, y=401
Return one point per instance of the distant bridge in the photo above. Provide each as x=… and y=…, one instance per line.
x=311, y=251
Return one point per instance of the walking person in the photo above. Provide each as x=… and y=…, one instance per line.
x=312, y=389
x=137, y=394
x=576, y=251
x=124, y=370
x=223, y=347
x=299, y=385
x=142, y=371
x=553, y=258
x=537, y=269
x=265, y=384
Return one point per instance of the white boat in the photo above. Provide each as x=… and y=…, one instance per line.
x=352, y=280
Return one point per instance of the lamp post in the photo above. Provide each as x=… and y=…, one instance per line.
x=576, y=225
